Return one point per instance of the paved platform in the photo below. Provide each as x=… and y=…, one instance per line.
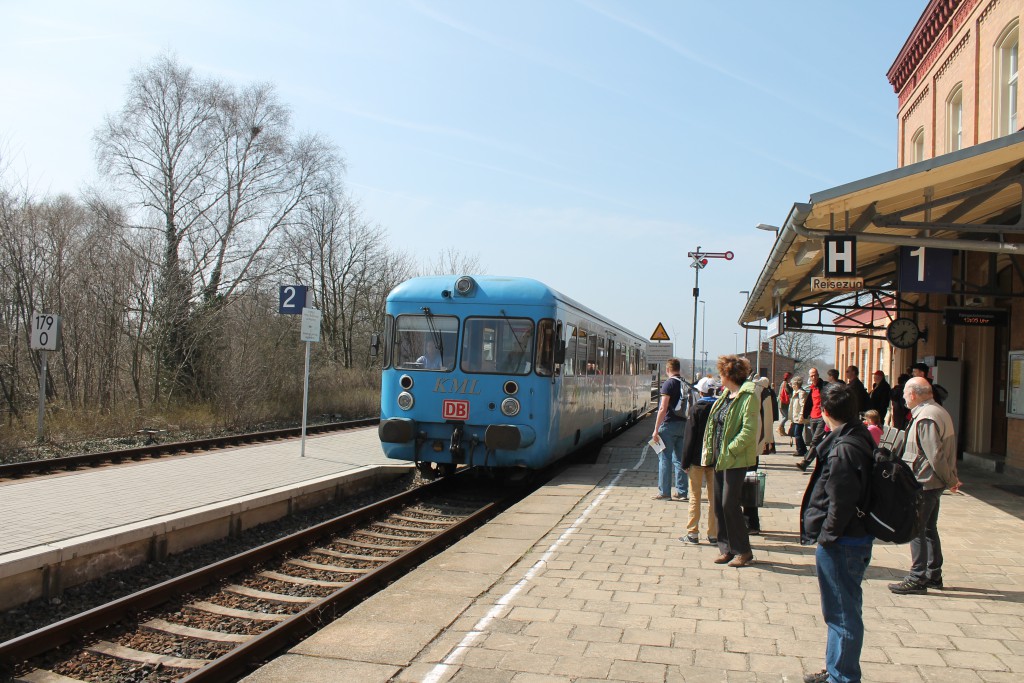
x=586, y=581
x=89, y=521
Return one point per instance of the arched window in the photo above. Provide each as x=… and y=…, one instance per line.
x=1006, y=81
x=955, y=119
x=917, y=146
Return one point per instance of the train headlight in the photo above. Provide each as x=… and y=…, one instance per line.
x=405, y=400
x=405, y=381
x=464, y=285
x=511, y=388
x=510, y=407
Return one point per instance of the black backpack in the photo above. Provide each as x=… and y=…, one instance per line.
x=893, y=508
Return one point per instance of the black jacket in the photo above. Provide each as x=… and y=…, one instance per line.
x=838, y=486
x=863, y=400
x=693, y=434
x=881, y=394
x=809, y=403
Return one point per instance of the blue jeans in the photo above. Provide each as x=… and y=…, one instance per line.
x=840, y=570
x=670, y=460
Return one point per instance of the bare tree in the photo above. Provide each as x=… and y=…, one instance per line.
x=451, y=261
x=803, y=347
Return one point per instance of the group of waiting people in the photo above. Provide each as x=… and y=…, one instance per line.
x=721, y=438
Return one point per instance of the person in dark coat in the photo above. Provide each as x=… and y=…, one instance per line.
x=829, y=517
x=815, y=423
x=881, y=395
x=700, y=477
x=900, y=411
x=859, y=391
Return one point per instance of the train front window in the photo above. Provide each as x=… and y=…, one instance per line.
x=425, y=342
x=498, y=345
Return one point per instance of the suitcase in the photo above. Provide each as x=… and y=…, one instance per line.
x=752, y=493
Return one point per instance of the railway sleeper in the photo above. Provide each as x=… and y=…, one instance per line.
x=44, y=676
x=267, y=595
x=417, y=520
x=221, y=610
x=350, y=556
x=392, y=537
x=374, y=546
x=402, y=527
x=326, y=567
x=109, y=649
x=161, y=626
x=298, y=580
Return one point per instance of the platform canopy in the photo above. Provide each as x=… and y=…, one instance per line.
x=969, y=200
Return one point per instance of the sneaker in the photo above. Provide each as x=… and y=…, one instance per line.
x=681, y=496
x=820, y=677
x=690, y=538
x=713, y=540
x=802, y=465
x=933, y=583
x=908, y=586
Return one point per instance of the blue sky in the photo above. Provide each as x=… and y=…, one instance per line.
x=589, y=144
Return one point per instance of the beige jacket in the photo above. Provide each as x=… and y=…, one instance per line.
x=796, y=406
x=931, y=446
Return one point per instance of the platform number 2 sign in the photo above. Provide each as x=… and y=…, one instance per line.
x=45, y=332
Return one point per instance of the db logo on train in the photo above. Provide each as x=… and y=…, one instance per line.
x=455, y=410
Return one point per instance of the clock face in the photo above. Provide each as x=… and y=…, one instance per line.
x=903, y=333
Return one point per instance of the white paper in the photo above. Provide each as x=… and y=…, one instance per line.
x=658, y=445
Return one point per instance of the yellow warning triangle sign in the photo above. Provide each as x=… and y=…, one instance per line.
x=659, y=333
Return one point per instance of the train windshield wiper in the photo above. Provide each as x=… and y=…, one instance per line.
x=512, y=330
x=435, y=335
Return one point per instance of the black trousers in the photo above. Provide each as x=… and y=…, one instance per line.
x=926, y=549
x=732, y=528
x=816, y=426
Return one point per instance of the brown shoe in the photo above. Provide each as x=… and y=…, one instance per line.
x=723, y=558
x=742, y=560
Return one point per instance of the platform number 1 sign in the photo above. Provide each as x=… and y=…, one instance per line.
x=925, y=270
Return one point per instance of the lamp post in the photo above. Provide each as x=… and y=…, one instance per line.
x=745, y=330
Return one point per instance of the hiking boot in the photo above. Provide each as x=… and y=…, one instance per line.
x=908, y=586
x=933, y=583
x=690, y=538
x=820, y=677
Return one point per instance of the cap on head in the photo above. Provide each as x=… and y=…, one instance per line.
x=705, y=385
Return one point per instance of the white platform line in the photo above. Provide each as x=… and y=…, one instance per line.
x=502, y=606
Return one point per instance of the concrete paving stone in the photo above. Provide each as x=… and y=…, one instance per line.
x=480, y=658
x=774, y=631
x=369, y=641
x=999, y=676
x=639, y=672
x=624, y=651
x=989, y=645
x=911, y=655
x=764, y=646
x=941, y=674
x=596, y=634
x=1014, y=662
x=417, y=673
x=291, y=667
x=575, y=666
x=532, y=614
x=1008, y=620
x=531, y=662
x=932, y=641
x=889, y=673
x=560, y=646
x=523, y=677
x=602, y=607
x=785, y=666
x=937, y=627
x=723, y=661
x=570, y=616
x=1014, y=646
x=976, y=660
x=643, y=636
x=474, y=675
x=508, y=642
x=674, y=656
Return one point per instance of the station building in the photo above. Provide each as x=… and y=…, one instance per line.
x=935, y=244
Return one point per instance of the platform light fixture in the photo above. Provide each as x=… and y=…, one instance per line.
x=768, y=228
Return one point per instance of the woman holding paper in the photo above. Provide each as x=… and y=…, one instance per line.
x=730, y=447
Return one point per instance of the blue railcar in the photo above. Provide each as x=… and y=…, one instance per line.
x=502, y=372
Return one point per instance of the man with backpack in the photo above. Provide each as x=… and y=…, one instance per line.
x=829, y=516
x=669, y=425
x=931, y=449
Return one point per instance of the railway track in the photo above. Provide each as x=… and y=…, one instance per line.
x=47, y=466
x=216, y=623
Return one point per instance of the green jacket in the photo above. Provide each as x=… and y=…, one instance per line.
x=739, y=442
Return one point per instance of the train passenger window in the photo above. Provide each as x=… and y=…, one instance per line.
x=498, y=345
x=545, y=347
x=425, y=342
x=569, y=366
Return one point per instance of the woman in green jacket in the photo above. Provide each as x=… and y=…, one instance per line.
x=730, y=446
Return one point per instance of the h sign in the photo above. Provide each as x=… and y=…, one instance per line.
x=840, y=256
